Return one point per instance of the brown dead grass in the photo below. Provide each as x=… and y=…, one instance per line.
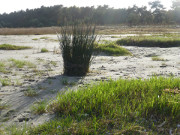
x=28, y=31
x=100, y=30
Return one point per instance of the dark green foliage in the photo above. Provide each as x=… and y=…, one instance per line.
x=77, y=46
x=13, y=47
x=150, y=41
x=102, y=15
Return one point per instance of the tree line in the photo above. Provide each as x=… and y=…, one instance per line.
x=59, y=15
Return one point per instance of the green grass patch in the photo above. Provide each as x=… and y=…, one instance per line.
x=43, y=50
x=117, y=107
x=151, y=41
x=3, y=106
x=3, y=67
x=30, y=92
x=158, y=59
x=39, y=107
x=21, y=63
x=112, y=49
x=13, y=47
x=35, y=39
x=44, y=37
x=5, y=81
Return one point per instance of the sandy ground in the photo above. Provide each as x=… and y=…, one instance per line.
x=47, y=79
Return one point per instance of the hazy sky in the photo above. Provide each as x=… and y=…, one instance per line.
x=16, y=5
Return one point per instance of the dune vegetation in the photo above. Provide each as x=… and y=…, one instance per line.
x=135, y=106
x=13, y=47
x=111, y=49
x=164, y=41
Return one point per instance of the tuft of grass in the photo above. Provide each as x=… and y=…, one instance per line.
x=112, y=49
x=35, y=39
x=3, y=106
x=39, y=107
x=21, y=63
x=5, y=82
x=43, y=50
x=66, y=82
x=3, y=67
x=151, y=41
x=14, y=129
x=117, y=107
x=30, y=92
x=77, y=46
x=54, y=63
x=44, y=38
x=158, y=59
x=13, y=47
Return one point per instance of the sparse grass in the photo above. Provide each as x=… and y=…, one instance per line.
x=3, y=106
x=18, y=83
x=3, y=67
x=151, y=41
x=40, y=60
x=158, y=59
x=13, y=47
x=14, y=129
x=44, y=50
x=44, y=37
x=54, y=63
x=66, y=82
x=39, y=107
x=117, y=107
x=35, y=39
x=30, y=92
x=21, y=63
x=112, y=49
x=5, y=81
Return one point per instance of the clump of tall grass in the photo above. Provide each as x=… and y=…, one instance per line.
x=13, y=47
x=77, y=46
x=150, y=41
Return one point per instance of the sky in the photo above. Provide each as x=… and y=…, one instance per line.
x=8, y=6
